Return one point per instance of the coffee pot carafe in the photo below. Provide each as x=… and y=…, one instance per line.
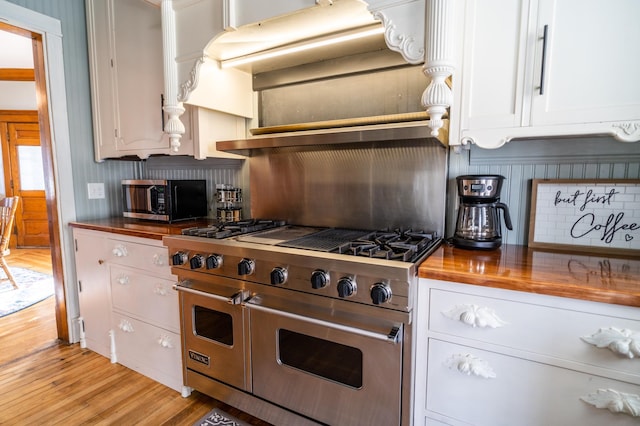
x=478, y=225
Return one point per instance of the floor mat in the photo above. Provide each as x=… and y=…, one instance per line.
x=217, y=417
x=33, y=288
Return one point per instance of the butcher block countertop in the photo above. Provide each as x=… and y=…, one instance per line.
x=593, y=277
x=139, y=228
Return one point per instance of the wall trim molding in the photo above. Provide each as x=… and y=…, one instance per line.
x=175, y=162
x=558, y=151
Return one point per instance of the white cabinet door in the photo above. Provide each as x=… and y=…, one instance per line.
x=93, y=287
x=587, y=84
x=494, y=62
x=138, y=75
x=590, y=72
x=127, y=81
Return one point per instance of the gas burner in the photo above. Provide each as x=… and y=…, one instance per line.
x=231, y=229
x=400, y=245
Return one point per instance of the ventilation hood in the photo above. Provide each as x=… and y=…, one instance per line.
x=287, y=40
x=231, y=73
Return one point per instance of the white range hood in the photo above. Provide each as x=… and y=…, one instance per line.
x=203, y=37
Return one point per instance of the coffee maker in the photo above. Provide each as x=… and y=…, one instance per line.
x=478, y=224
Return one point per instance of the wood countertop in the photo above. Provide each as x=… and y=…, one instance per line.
x=593, y=277
x=140, y=228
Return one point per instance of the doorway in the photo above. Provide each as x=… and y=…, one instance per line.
x=25, y=137
x=24, y=177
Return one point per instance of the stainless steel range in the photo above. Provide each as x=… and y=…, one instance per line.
x=309, y=319
x=300, y=324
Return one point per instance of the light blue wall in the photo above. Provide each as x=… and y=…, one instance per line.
x=71, y=14
x=521, y=161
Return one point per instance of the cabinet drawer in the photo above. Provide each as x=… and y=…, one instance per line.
x=149, y=350
x=145, y=297
x=516, y=391
x=540, y=329
x=151, y=258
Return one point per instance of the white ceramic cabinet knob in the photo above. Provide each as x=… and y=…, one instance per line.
x=125, y=326
x=475, y=316
x=119, y=251
x=158, y=260
x=621, y=341
x=470, y=365
x=614, y=401
x=123, y=280
x=165, y=342
x=161, y=290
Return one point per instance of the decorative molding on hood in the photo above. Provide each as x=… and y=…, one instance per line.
x=420, y=30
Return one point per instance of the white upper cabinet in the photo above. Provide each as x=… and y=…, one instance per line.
x=127, y=86
x=125, y=52
x=535, y=68
x=590, y=73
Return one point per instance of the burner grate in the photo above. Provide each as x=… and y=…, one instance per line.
x=230, y=229
x=400, y=245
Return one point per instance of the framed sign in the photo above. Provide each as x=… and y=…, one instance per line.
x=600, y=216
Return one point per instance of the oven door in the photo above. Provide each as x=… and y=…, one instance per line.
x=334, y=373
x=214, y=342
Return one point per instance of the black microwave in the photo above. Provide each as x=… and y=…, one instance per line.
x=164, y=200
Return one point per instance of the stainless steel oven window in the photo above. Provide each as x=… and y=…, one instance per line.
x=213, y=325
x=332, y=361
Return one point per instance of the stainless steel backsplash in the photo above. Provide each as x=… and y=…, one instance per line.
x=394, y=184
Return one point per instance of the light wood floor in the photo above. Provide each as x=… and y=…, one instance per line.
x=45, y=382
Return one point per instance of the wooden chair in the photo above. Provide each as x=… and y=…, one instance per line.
x=8, y=208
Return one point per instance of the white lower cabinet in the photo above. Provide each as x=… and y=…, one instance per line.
x=128, y=304
x=150, y=350
x=473, y=386
x=496, y=357
x=93, y=290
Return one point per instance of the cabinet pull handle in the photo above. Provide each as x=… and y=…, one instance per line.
x=475, y=316
x=158, y=259
x=160, y=290
x=125, y=326
x=119, y=251
x=545, y=32
x=165, y=342
x=162, y=109
x=621, y=341
x=614, y=401
x=470, y=365
x=123, y=280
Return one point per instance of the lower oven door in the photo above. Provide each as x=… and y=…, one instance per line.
x=335, y=374
x=213, y=334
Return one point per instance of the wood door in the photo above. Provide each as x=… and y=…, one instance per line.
x=26, y=180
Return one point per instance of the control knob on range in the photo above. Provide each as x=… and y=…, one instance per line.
x=380, y=293
x=346, y=287
x=246, y=267
x=279, y=275
x=214, y=261
x=319, y=279
x=196, y=261
x=179, y=258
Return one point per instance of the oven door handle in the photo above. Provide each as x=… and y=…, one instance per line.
x=235, y=299
x=393, y=336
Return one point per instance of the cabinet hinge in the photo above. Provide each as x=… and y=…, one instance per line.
x=79, y=286
x=115, y=133
x=75, y=243
x=111, y=60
